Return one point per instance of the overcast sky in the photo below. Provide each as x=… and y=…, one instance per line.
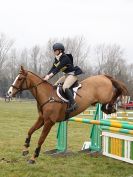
x=32, y=22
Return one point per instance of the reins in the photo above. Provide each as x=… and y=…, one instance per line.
x=20, y=89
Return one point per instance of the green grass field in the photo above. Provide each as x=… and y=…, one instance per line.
x=15, y=120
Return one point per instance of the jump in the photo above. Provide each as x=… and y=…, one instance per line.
x=51, y=108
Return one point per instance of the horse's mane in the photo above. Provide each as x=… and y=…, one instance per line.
x=40, y=78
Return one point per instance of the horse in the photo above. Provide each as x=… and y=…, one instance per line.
x=102, y=89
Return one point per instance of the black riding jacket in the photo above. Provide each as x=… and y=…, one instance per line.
x=64, y=64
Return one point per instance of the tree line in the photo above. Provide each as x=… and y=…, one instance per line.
x=101, y=59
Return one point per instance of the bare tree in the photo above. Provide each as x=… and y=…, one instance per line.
x=5, y=45
x=129, y=70
x=109, y=59
x=24, y=58
x=79, y=49
x=11, y=68
x=47, y=57
x=34, y=59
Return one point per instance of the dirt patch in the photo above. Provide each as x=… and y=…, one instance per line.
x=4, y=160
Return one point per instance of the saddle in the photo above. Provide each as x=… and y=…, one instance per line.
x=73, y=88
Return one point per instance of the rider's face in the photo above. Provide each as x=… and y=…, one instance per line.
x=56, y=52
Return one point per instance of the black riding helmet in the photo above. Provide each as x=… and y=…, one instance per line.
x=58, y=46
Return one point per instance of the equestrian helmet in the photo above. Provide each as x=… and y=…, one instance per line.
x=58, y=46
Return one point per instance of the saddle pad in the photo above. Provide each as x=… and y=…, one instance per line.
x=74, y=92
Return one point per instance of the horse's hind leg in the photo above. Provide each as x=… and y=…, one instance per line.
x=46, y=129
x=108, y=108
x=38, y=124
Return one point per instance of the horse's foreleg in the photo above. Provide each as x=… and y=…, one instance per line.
x=38, y=124
x=46, y=129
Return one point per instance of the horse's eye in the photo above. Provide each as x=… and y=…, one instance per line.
x=19, y=79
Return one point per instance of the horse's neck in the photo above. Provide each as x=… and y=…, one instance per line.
x=40, y=90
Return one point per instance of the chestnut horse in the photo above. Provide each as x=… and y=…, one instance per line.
x=96, y=89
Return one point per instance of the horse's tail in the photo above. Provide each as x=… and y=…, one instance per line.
x=121, y=89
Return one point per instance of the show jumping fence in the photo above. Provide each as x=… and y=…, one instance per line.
x=112, y=138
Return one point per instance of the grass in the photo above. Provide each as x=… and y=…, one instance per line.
x=15, y=120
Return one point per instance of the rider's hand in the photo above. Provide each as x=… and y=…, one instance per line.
x=46, y=78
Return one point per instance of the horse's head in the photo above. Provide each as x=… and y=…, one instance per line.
x=19, y=84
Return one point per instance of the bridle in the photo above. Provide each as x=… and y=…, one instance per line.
x=20, y=89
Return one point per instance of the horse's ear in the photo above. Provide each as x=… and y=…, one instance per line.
x=22, y=68
x=23, y=71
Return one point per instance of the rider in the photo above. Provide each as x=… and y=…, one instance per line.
x=64, y=63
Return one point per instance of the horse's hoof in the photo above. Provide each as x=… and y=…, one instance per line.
x=24, y=153
x=31, y=161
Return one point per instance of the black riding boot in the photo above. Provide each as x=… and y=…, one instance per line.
x=73, y=105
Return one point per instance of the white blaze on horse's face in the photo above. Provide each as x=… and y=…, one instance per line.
x=10, y=91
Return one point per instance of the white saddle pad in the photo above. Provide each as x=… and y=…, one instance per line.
x=74, y=89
